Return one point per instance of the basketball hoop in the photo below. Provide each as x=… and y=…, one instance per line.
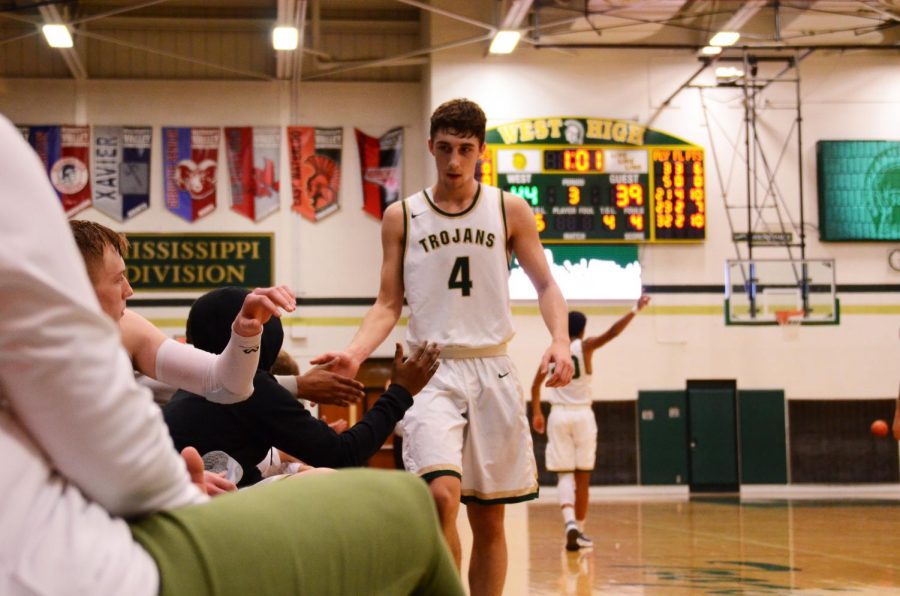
x=789, y=317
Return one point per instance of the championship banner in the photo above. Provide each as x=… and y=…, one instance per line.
x=65, y=153
x=121, y=168
x=315, y=155
x=190, y=161
x=253, y=168
x=380, y=160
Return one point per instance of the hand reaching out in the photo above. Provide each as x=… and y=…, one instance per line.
x=260, y=305
x=337, y=362
x=323, y=386
x=414, y=372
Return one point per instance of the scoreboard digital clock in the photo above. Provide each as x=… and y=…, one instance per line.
x=599, y=180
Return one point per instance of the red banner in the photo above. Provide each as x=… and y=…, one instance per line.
x=65, y=153
x=315, y=155
x=380, y=162
x=253, y=155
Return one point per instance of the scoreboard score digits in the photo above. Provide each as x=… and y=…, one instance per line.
x=595, y=181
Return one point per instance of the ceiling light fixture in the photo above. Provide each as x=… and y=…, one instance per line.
x=729, y=73
x=57, y=35
x=285, y=38
x=711, y=50
x=725, y=38
x=504, y=42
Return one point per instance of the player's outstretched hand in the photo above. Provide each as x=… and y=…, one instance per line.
x=414, y=372
x=260, y=305
x=561, y=357
x=323, y=386
x=337, y=362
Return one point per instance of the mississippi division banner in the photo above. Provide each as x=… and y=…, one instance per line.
x=65, y=153
x=121, y=168
x=253, y=156
x=380, y=160
x=190, y=161
x=315, y=155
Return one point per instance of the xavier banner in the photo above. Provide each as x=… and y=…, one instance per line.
x=253, y=166
x=190, y=161
x=65, y=153
x=315, y=155
x=380, y=160
x=121, y=168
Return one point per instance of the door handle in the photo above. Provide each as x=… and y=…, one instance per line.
x=693, y=443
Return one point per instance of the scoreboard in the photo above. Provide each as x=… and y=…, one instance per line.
x=592, y=180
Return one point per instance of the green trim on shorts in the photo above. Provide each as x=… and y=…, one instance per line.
x=501, y=501
x=438, y=473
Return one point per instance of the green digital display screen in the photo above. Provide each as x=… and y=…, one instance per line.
x=859, y=190
x=594, y=180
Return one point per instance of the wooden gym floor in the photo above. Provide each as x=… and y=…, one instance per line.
x=707, y=545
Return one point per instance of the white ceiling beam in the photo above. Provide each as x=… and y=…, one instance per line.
x=515, y=16
x=50, y=14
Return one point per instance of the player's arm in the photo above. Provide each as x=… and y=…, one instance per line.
x=385, y=313
x=222, y=378
x=524, y=241
x=592, y=343
x=537, y=417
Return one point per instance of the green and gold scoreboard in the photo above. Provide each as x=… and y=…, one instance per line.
x=592, y=180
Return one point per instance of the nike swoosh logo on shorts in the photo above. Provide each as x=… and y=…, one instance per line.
x=503, y=375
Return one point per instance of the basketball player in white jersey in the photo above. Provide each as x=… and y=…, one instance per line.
x=571, y=428
x=447, y=249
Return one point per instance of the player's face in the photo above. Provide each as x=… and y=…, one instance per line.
x=110, y=284
x=455, y=158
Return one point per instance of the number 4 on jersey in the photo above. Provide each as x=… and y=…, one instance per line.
x=459, y=276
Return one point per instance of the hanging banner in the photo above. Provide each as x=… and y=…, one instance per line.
x=65, y=153
x=253, y=166
x=315, y=155
x=380, y=160
x=190, y=161
x=121, y=170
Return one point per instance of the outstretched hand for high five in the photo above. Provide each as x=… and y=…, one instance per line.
x=413, y=373
x=323, y=386
x=260, y=305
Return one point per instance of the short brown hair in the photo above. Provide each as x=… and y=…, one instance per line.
x=461, y=117
x=93, y=238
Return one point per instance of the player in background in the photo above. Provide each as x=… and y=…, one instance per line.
x=571, y=428
x=447, y=249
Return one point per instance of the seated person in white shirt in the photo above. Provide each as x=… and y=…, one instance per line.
x=95, y=499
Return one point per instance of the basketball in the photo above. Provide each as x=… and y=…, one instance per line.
x=879, y=428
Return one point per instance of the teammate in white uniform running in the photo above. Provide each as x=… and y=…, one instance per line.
x=571, y=428
x=447, y=249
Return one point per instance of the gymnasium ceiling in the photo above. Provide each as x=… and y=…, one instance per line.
x=388, y=40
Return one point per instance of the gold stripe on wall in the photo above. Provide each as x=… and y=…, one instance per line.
x=659, y=310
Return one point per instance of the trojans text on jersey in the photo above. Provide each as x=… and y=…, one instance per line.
x=457, y=236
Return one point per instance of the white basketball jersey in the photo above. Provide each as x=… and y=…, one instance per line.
x=456, y=272
x=578, y=391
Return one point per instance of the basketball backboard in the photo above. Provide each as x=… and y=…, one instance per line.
x=762, y=291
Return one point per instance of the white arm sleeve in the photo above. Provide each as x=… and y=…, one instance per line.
x=289, y=382
x=225, y=378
